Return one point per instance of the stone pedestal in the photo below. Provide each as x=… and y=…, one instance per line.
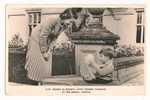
x=92, y=38
x=91, y=41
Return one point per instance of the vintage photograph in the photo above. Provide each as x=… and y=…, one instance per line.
x=75, y=46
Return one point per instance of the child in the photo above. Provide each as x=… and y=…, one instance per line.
x=98, y=72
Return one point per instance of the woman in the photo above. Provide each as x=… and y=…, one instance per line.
x=39, y=55
x=41, y=42
x=98, y=69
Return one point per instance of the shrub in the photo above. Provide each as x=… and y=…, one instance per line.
x=16, y=42
x=127, y=51
x=63, y=48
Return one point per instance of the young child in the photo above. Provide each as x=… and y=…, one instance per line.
x=97, y=68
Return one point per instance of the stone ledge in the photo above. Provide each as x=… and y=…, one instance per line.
x=119, y=77
x=124, y=62
x=123, y=75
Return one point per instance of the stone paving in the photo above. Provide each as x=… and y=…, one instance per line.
x=139, y=80
x=78, y=81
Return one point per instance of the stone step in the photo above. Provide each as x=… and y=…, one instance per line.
x=123, y=77
x=63, y=81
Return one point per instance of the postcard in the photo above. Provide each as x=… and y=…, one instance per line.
x=75, y=50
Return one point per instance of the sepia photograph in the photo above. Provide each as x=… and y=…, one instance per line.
x=75, y=46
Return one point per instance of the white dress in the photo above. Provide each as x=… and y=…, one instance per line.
x=37, y=68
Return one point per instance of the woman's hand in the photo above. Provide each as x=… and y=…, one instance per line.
x=45, y=56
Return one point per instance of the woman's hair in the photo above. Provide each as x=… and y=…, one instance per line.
x=70, y=13
x=75, y=11
x=66, y=14
x=107, y=52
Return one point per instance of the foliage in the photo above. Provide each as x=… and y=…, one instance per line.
x=16, y=42
x=128, y=51
x=63, y=48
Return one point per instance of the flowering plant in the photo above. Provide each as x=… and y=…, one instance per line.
x=127, y=51
x=63, y=48
x=16, y=42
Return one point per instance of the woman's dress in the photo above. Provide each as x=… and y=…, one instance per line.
x=36, y=66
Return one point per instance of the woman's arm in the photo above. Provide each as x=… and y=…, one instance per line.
x=49, y=31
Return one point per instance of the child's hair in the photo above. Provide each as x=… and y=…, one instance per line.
x=107, y=52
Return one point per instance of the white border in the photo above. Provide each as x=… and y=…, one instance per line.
x=2, y=32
